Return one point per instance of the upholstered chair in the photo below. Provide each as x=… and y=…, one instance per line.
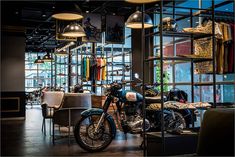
x=216, y=136
x=70, y=112
x=51, y=101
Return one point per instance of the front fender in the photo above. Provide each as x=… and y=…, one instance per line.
x=98, y=111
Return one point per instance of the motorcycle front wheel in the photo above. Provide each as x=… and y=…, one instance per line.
x=90, y=140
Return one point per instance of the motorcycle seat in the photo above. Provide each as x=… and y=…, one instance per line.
x=155, y=99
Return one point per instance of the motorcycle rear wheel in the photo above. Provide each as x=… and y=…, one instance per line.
x=87, y=138
x=177, y=123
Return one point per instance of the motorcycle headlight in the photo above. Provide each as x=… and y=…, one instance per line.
x=115, y=99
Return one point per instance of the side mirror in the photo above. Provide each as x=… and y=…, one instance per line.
x=137, y=76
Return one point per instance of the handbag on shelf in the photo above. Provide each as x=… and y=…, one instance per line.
x=176, y=94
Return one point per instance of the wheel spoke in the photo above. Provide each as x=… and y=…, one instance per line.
x=91, y=140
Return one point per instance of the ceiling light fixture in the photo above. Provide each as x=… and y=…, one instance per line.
x=47, y=57
x=44, y=14
x=38, y=60
x=73, y=30
x=67, y=11
x=61, y=53
x=135, y=21
x=141, y=1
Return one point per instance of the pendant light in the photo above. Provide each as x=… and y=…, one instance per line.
x=47, y=57
x=73, y=30
x=141, y=1
x=38, y=60
x=61, y=53
x=135, y=20
x=67, y=11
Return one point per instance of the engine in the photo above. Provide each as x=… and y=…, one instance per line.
x=135, y=124
x=131, y=108
x=133, y=120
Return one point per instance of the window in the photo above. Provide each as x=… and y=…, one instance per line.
x=36, y=75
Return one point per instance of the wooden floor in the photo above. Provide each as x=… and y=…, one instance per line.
x=24, y=138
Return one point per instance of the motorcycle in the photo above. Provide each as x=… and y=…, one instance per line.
x=96, y=129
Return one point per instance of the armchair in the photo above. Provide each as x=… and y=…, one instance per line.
x=216, y=136
x=70, y=111
x=51, y=101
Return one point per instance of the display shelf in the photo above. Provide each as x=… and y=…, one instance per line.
x=176, y=41
x=119, y=75
x=115, y=70
x=211, y=83
x=72, y=64
x=180, y=34
x=118, y=63
x=176, y=37
x=118, y=55
x=42, y=69
x=95, y=85
x=189, y=58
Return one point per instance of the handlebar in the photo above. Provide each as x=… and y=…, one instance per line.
x=126, y=81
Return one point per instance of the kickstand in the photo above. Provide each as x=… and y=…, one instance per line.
x=142, y=145
x=125, y=136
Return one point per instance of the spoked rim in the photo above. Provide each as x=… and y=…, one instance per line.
x=177, y=123
x=86, y=136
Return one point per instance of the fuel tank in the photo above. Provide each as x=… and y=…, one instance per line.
x=130, y=96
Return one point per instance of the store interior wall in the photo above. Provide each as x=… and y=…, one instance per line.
x=13, y=72
x=12, y=64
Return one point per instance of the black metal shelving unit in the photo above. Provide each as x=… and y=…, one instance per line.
x=180, y=34
x=187, y=58
x=107, y=51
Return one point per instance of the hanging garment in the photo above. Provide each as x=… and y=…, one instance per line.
x=219, y=54
x=227, y=36
x=87, y=68
x=98, y=69
x=231, y=51
x=226, y=50
x=227, y=45
x=93, y=69
x=101, y=69
x=90, y=69
x=104, y=69
x=222, y=66
x=83, y=70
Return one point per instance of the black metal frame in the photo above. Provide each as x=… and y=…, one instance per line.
x=160, y=33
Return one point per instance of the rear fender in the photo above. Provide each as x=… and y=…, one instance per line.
x=98, y=111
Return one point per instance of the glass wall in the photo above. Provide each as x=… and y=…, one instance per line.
x=37, y=75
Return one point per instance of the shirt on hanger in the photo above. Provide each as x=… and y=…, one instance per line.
x=87, y=68
x=104, y=70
